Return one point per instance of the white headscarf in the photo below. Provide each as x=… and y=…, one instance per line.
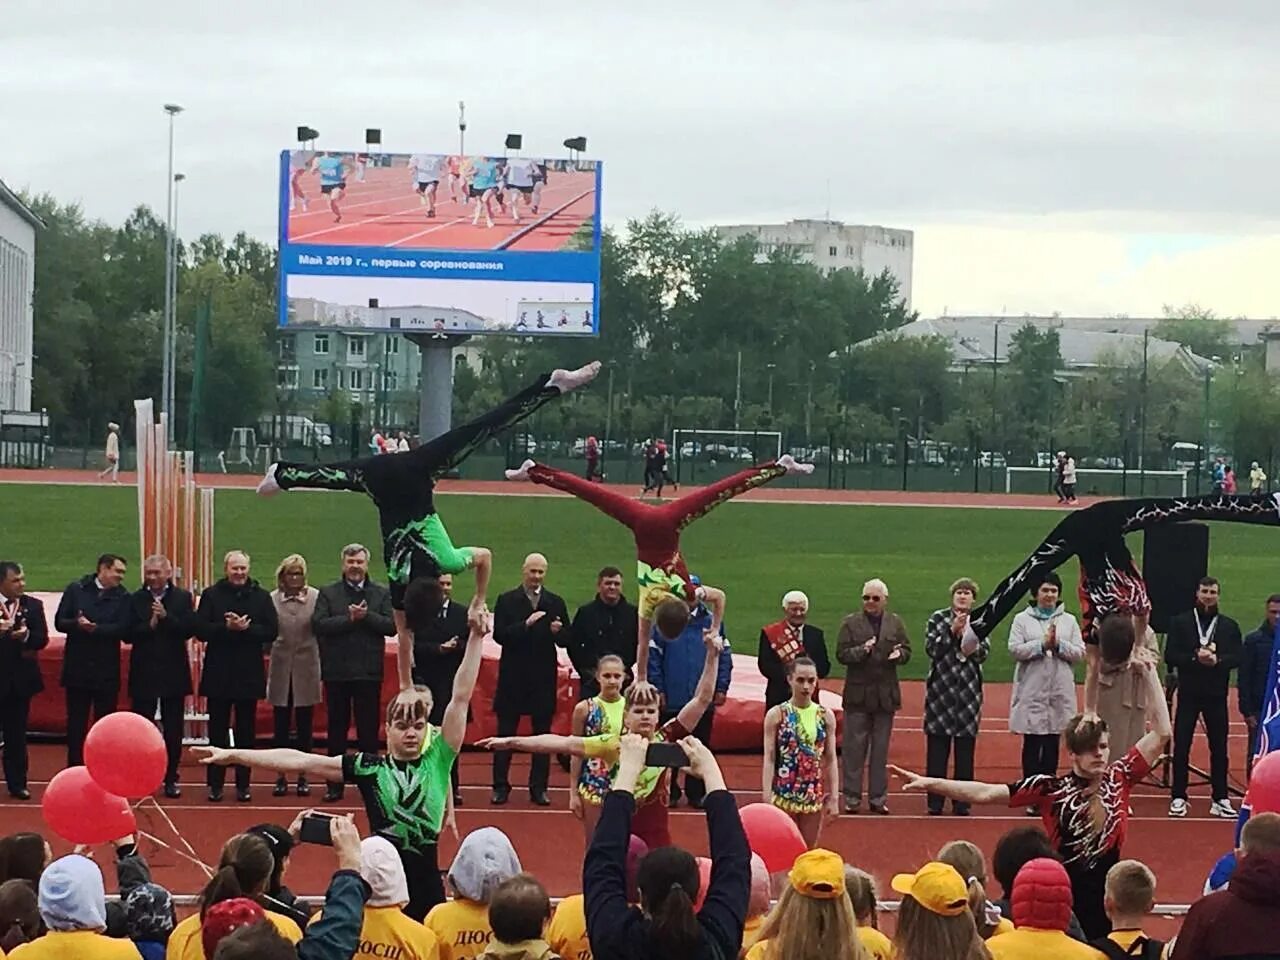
x=383, y=870
x=485, y=859
x=72, y=896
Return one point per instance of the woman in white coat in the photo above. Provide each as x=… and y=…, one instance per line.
x=1045, y=643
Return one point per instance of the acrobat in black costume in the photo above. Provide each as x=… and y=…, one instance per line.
x=1109, y=580
x=402, y=485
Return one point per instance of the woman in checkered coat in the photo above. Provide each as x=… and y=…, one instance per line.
x=953, y=690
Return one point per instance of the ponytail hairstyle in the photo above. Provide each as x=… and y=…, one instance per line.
x=969, y=862
x=669, y=883
x=860, y=888
x=19, y=914
x=280, y=842
x=244, y=870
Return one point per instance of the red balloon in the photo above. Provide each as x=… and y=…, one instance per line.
x=125, y=754
x=1264, y=784
x=704, y=881
x=78, y=810
x=773, y=835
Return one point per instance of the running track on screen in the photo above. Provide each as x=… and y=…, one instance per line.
x=385, y=211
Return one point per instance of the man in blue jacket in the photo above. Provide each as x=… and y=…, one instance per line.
x=1255, y=665
x=674, y=668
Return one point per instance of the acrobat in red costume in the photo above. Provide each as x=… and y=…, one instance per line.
x=660, y=566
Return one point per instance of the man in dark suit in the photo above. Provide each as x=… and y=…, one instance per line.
x=606, y=625
x=1204, y=646
x=237, y=621
x=159, y=665
x=352, y=621
x=529, y=622
x=782, y=642
x=94, y=615
x=23, y=631
x=437, y=654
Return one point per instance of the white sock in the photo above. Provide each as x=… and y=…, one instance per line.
x=566, y=380
x=268, y=485
x=521, y=472
x=788, y=463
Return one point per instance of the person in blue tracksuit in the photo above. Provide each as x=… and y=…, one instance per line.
x=674, y=668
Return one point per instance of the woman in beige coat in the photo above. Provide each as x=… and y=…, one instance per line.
x=1117, y=692
x=293, y=679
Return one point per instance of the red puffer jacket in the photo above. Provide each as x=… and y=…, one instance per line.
x=1042, y=896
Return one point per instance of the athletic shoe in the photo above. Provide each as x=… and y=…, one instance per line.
x=268, y=484
x=1222, y=808
x=566, y=380
x=1178, y=808
x=521, y=472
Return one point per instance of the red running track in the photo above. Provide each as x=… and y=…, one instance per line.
x=386, y=211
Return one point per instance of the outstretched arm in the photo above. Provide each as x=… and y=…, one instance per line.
x=1152, y=744
x=541, y=743
x=1093, y=666
x=691, y=713
x=280, y=760
x=964, y=791
x=454, y=725
x=482, y=560
x=713, y=599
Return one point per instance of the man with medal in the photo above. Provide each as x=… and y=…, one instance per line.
x=784, y=641
x=1204, y=646
x=23, y=632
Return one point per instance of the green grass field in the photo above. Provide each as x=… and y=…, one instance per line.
x=756, y=551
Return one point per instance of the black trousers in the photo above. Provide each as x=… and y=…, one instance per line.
x=1253, y=748
x=938, y=753
x=79, y=702
x=172, y=716
x=426, y=888
x=694, y=788
x=220, y=736
x=1039, y=754
x=13, y=722
x=285, y=720
x=342, y=698
x=539, y=763
x=1190, y=709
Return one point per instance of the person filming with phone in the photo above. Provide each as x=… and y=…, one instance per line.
x=640, y=717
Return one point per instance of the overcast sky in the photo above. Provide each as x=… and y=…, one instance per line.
x=1077, y=155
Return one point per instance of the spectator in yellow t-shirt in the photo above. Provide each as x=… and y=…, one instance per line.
x=74, y=908
x=485, y=859
x=387, y=931
x=860, y=888
x=972, y=867
x=813, y=916
x=759, y=903
x=567, y=932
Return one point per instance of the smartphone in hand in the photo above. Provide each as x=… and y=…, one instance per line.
x=662, y=754
x=315, y=829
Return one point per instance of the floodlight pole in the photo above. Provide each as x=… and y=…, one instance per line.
x=462, y=129
x=172, y=109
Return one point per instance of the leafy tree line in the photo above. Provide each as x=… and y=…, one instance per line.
x=683, y=312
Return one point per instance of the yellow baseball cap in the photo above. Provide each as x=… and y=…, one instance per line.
x=937, y=887
x=818, y=874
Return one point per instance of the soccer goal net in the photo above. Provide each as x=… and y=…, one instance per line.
x=732, y=446
x=1099, y=482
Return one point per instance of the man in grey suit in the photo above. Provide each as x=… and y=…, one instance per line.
x=872, y=645
x=352, y=622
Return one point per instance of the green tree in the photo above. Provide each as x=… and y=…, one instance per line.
x=1198, y=329
x=1031, y=393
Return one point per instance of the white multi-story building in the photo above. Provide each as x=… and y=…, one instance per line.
x=832, y=245
x=17, y=285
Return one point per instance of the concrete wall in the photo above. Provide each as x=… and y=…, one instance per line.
x=17, y=286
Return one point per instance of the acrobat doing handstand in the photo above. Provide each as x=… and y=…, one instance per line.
x=401, y=485
x=661, y=571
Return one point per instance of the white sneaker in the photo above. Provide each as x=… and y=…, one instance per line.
x=268, y=485
x=1222, y=808
x=521, y=472
x=1178, y=808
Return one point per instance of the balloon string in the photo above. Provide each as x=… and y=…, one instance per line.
x=190, y=854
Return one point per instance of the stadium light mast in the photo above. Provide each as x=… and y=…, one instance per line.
x=171, y=391
x=462, y=129
x=166, y=387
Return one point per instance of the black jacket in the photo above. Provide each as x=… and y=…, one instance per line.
x=527, y=670
x=234, y=668
x=600, y=629
x=158, y=665
x=352, y=649
x=1183, y=643
x=91, y=659
x=19, y=669
x=774, y=670
x=1255, y=664
x=435, y=667
x=618, y=931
